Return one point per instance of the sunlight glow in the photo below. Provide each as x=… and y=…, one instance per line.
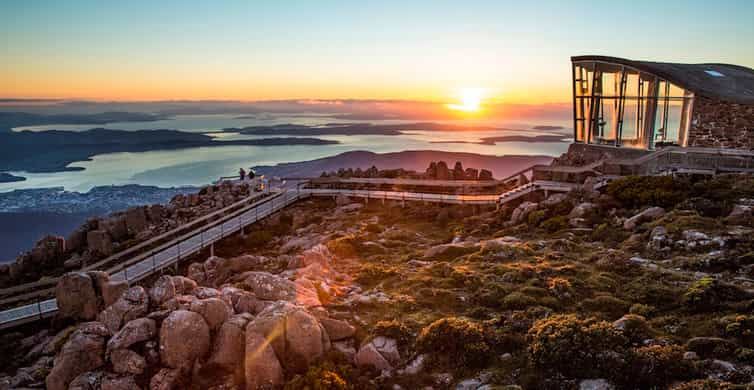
x=470, y=98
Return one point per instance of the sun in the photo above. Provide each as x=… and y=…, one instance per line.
x=470, y=98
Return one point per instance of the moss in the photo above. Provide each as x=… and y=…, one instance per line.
x=536, y=217
x=609, y=234
x=575, y=347
x=455, y=342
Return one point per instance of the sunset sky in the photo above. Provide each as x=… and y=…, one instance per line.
x=511, y=51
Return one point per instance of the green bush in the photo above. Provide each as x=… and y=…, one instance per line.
x=741, y=327
x=611, y=305
x=536, y=217
x=609, y=234
x=518, y=301
x=638, y=191
x=555, y=224
x=707, y=294
x=656, y=366
x=343, y=246
x=635, y=328
x=580, y=348
x=393, y=329
x=455, y=342
x=641, y=309
x=707, y=384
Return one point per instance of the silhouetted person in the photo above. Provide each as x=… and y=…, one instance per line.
x=242, y=173
x=251, y=174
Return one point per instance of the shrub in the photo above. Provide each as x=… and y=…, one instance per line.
x=609, y=234
x=635, y=327
x=706, y=384
x=560, y=287
x=745, y=355
x=258, y=238
x=375, y=273
x=536, y=217
x=740, y=327
x=637, y=191
x=708, y=294
x=641, y=309
x=575, y=347
x=343, y=246
x=606, y=304
x=318, y=378
x=393, y=329
x=555, y=224
x=656, y=366
x=518, y=301
x=455, y=342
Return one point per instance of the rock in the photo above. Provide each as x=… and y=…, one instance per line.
x=448, y=250
x=262, y=368
x=126, y=361
x=228, y=349
x=709, y=347
x=694, y=239
x=415, y=366
x=295, y=335
x=267, y=286
x=112, y=290
x=84, y=351
x=336, y=329
x=690, y=355
x=134, y=331
x=119, y=383
x=442, y=172
x=136, y=220
x=499, y=244
x=469, y=384
x=99, y=243
x=522, y=211
x=649, y=214
x=595, y=384
x=77, y=297
x=74, y=262
x=166, y=379
x=115, y=226
x=241, y=301
x=162, y=290
x=471, y=174
x=658, y=239
x=184, y=337
x=91, y=380
x=740, y=215
x=350, y=208
x=132, y=304
x=485, y=175
x=380, y=353
x=346, y=347
x=214, y=310
x=342, y=200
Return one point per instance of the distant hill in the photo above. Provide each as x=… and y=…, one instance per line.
x=9, y=120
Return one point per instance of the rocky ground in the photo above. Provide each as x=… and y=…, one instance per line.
x=647, y=285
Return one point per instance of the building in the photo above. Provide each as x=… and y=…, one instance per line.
x=649, y=105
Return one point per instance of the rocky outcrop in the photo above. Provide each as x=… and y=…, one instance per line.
x=84, y=351
x=649, y=214
x=184, y=337
x=381, y=353
x=132, y=304
x=77, y=297
x=135, y=331
x=522, y=211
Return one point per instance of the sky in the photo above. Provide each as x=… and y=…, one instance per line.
x=513, y=51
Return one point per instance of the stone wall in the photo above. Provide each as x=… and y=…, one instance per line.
x=720, y=124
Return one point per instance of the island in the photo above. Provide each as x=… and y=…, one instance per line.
x=6, y=177
x=54, y=150
x=9, y=120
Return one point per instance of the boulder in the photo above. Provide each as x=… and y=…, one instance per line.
x=336, y=329
x=91, y=380
x=77, y=297
x=269, y=287
x=647, y=215
x=84, y=351
x=499, y=244
x=471, y=174
x=241, y=301
x=112, y=382
x=380, y=353
x=228, y=349
x=99, y=242
x=136, y=220
x=166, y=379
x=184, y=337
x=710, y=347
x=132, y=304
x=135, y=331
x=595, y=384
x=342, y=200
x=485, y=175
x=214, y=311
x=262, y=368
x=553, y=199
x=112, y=290
x=295, y=335
x=522, y=211
x=115, y=226
x=458, y=172
x=126, y=361
x=449, y=250
x=658, y=239
x=741, y=215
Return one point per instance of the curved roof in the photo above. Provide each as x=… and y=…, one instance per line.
x=732, y=83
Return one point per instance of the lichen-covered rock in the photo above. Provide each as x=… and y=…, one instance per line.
x=76, y=296
x=336, y=329
x=134, y=331
x=126, y=361
x=132, y=304
x=184, y=337
x=112, y=382
x=380, y=353
x=261, y=366
x=522, y=211
x=214, y=310
x=649, y=214
x=166, y=379
x=84, y=351
x=228, y=349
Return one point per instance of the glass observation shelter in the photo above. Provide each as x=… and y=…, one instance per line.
x=618, y=102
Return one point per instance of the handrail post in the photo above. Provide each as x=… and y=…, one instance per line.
x=39, y=308
x=154, y=263
x=125, y=275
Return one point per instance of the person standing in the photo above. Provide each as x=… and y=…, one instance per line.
x=242, y=173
